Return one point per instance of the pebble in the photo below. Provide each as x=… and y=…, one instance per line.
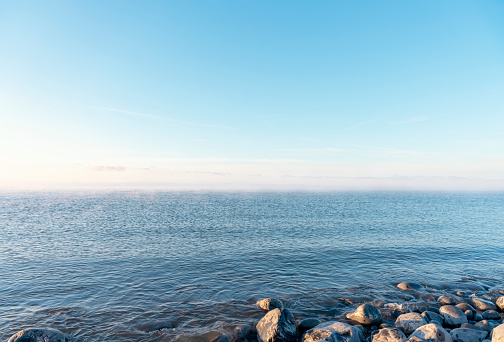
x=445, y=300
x=483, y=304
x=491, y=314
x=409, y=322
x=389, y=335
x=431, y=316
x=452, y=315
x=270, y=304
x=430, y=333
x=366, y=314
x=467, y=335
x=465, y=307
x=333, y=331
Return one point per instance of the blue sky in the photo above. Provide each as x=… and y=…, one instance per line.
x=253, y=95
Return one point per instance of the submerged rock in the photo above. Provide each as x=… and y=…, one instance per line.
x=333, y=332
x=389, y=335
x=445, y=300
x=410, y=286
x=307, y=324
x=498, y=334
x=366, y=314
x=483, y=304
x=409, y=322
x=270, y=304
x=430, y=333
x=467, y=335
x=278, y=325
x=39, y=335
x=452, y=315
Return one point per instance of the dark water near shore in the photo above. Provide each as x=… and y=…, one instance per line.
x=109, y=266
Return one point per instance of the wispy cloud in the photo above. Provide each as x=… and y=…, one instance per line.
x=181, y=122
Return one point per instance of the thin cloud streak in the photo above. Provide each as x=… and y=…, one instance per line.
x=190, y=123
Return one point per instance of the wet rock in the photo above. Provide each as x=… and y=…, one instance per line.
x=483, y=304
x=307, y=324
x=430, y=316
x=469, y=314
x=483, y=325
x=389, y=335
x=277, y=326
x=465, y=307
x=366, y=314
x=445, y=300
x=410, y=286
x=477, y=317
x=452, y=315
x=333, y=332
x=270, y=304
x=470, y=326
x=430, y=333
x=409, y=322
x=491, y=314
x=436, y=310
x=500, y=303
x=39, y=335
x=467, y=335
x=498, y=334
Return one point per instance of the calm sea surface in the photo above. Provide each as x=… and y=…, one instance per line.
x=120, y=266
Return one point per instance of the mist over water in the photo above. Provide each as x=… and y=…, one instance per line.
x=116, y=265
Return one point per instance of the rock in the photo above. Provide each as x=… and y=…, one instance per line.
x=436, y=310
x=278, y=325
x=333, y=332
x=483, y=325
x=307, y=324
x=452, y=315
x=366, y=314
x=477, y=317
x=500, y=303
x=409, y=322
x=270, y=304
x=153, y=326
x=410, y=286
x=491, y=314
x=465, y=307
x=483, y=304
x=389, y=335
x=467, y=335
x=498, y=334
x=221, y=339
x=39, y=335
x=469, y=314
x=445, y=300
x=470, y=326
x=430, y=333
x=430, y=316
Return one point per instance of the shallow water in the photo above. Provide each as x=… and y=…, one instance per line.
x=120, y=266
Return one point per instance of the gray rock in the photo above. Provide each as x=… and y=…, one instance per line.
x=465, y=307
x=307, y=324
x=410, y=286
x=498, y=334
x=484, y=326
x=433, y=309
x=483, y=304
x=469, y=314
x=467, y=335
x=389, y=335
x=39, y=335
x=366, y=314
x=430, y=317
x=500, y=303
x=445, y=300
x=277, y=326
x=430, y=333
x=470, y=326
x=491, y=314
x=333, y=332
x=409, y=322
x=477, y=317
x=270, y=304
x=452, y=315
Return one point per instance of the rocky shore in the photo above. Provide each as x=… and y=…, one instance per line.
x=469, y=315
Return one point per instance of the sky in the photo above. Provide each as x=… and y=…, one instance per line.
x=252, y=95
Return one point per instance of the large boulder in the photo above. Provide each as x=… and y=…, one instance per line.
x=452, y=315
x=277, y=326
x=366, y=314
x=333, y=332
x=409, y=322
x=430, y=333
x=270, y=304
x=468, y=335
x=389, y=335
x=410, y=286
x=498, y=333
x=483, y=304
x=39, y=335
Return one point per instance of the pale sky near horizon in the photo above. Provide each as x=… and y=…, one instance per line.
x=252, y=95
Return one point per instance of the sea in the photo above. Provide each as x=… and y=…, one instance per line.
x=189, y=266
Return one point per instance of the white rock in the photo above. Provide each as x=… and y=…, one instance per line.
x=409, y=322
x=333, y=332
x=430, y=332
